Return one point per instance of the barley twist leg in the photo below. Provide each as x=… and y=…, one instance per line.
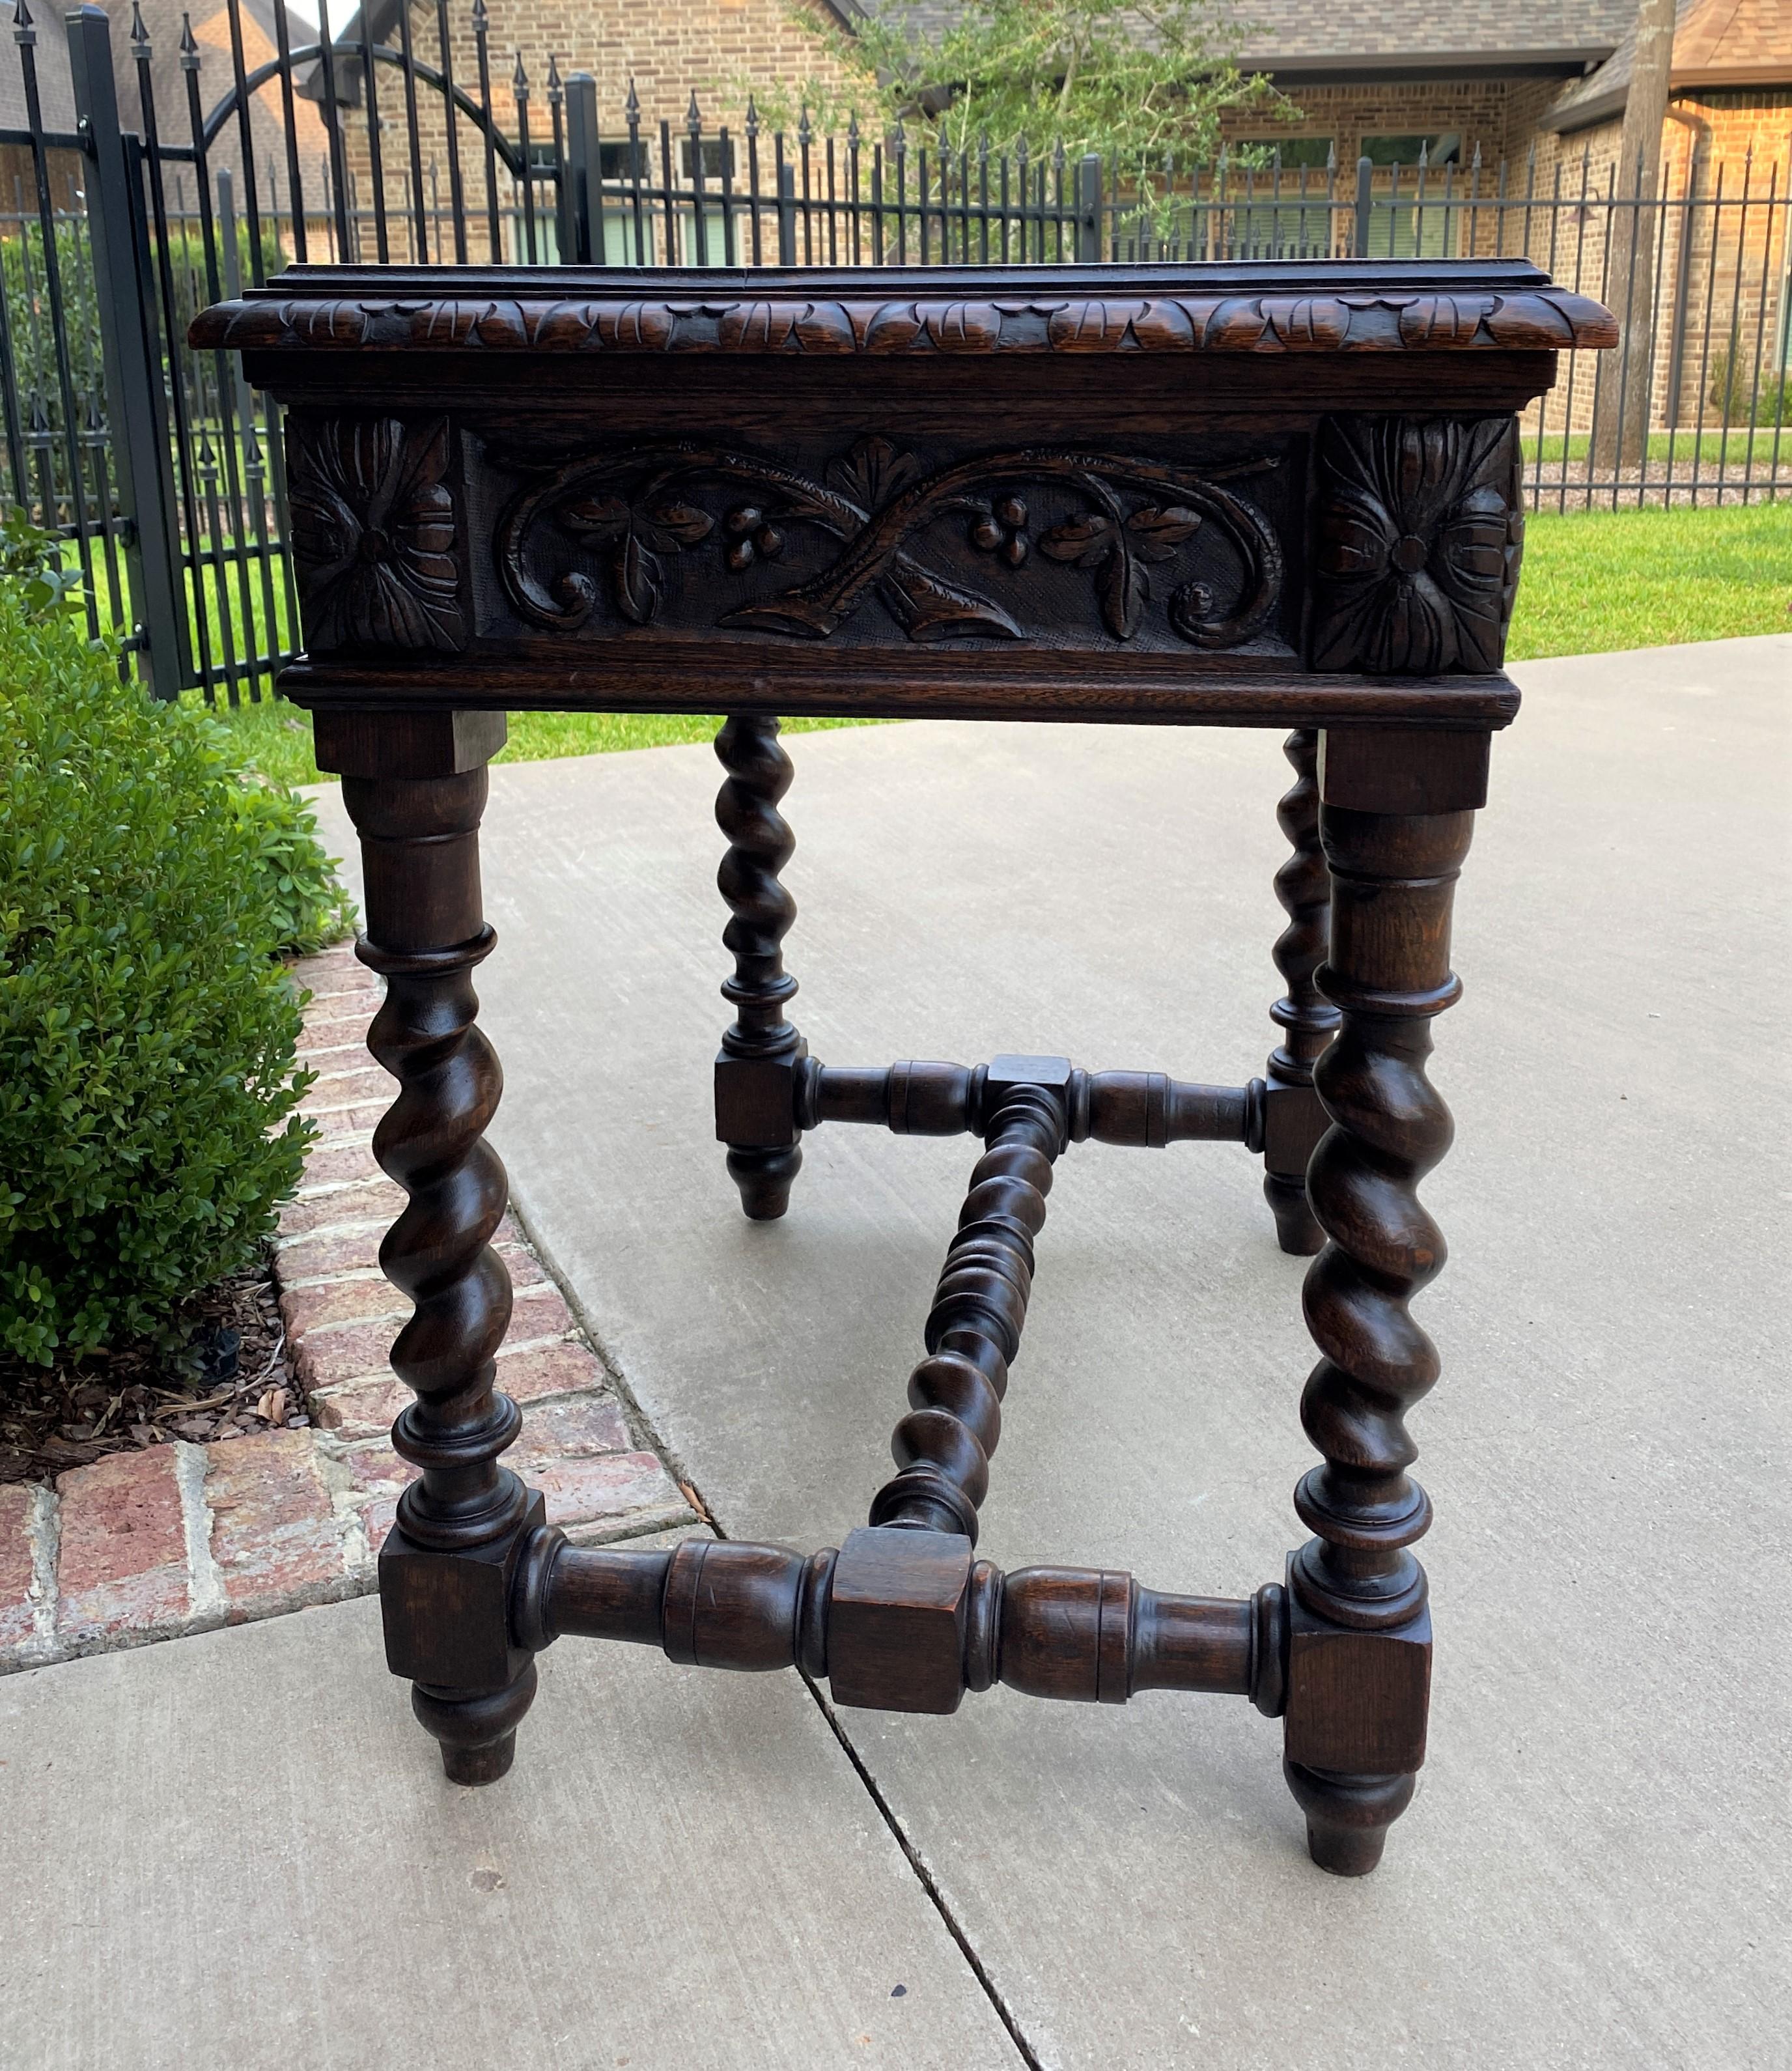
x=1293, y=1118
x=755, y=1073
x=1361, y=1635
x=458, y=1525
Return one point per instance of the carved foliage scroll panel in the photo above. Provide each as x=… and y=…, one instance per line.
x=1419, y=529
x=865, y=541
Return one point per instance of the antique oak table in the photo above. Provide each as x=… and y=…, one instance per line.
x=1213, y=495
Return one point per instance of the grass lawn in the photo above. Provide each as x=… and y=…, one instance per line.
x=1712, y=445
x=1593, y=581
x=276, y=736
x=1597, y=579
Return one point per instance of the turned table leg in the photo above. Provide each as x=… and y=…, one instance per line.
x=756, y=1071
x=415, y=785
x=1396, y=817
x=1294, y=1120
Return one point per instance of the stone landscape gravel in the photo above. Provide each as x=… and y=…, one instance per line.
x=180, y=1538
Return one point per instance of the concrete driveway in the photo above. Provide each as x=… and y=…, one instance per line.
x=237, y=1849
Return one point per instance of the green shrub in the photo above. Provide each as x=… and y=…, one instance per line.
x=147, y=1037
x=309, y=906
x=25, y=279
x=1741, y=391
x=33, y=560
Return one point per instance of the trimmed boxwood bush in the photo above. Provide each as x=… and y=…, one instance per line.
x=147, y=1035
x=307, y=907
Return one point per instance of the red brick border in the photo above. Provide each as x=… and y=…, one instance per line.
x=181, y=1538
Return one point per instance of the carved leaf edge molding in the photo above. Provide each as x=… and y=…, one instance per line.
x=620, y=500
x=1548, y=319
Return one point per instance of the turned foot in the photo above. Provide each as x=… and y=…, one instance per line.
x=765, y=1178
x=477, y=1733
x=1348, y=1817
x=1297, y=1229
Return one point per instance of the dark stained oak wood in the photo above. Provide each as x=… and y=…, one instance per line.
x=1293, y=1120
x=446, y=1568
x=908, y=1620
x=1071, y=688
x=1503, y=305
x=1141, y=1108
x=761, y=1050
x=1361, y=1640
x=1227, y=494
x=666, y=493
x=973, y=1330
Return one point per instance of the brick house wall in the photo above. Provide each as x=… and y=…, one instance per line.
x=1727, y=277
x=667, y=49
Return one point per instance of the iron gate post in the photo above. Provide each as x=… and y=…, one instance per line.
x=581, y=183
x=131, y=338
x=1088, y=209
x=1365, y=207
x=787, y=216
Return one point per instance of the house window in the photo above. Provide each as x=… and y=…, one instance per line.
x=712, y=159
x=1295, y=153
x=1415, y=204
x=618, y=160
x=1279, y=207
x=1443, y=149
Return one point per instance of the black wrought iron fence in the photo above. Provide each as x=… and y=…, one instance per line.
x=165, y=473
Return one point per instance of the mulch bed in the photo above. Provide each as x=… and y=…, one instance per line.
x=228, y=1373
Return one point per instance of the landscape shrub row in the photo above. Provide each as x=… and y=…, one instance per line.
x=149, y=888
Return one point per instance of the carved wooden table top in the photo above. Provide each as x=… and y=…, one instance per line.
x=1221, y=493
x=1208, y=495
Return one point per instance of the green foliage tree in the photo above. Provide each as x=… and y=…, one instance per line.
x=1136, y=83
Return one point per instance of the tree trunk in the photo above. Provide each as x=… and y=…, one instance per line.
x=1625, y=377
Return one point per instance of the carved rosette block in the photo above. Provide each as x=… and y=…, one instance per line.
x=446, y=1570
x=756, y=1093
x=1420, y=527
x=1293, y=1119
x=375, y=533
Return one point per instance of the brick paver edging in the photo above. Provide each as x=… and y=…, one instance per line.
x=180, y=1538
